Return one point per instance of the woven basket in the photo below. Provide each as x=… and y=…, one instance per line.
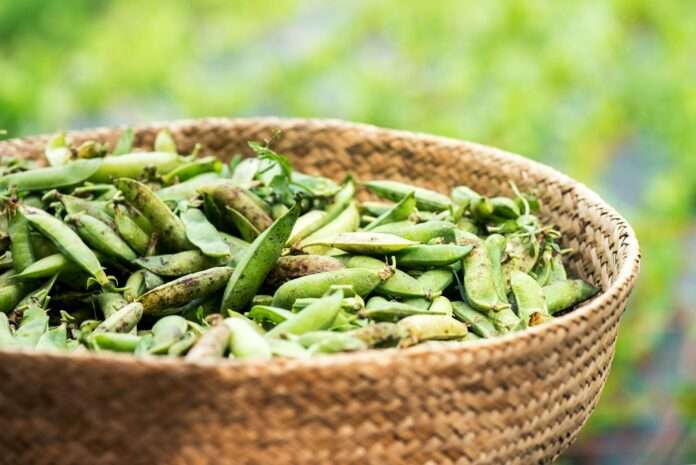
x=517, y=399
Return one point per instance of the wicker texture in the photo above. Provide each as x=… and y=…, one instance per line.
x=519, y=399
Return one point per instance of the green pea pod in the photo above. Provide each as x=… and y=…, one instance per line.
x=257, y=262
x=347, y=221
x=375, y=209
x=378, y=334
x=441, y=305
x=192, y=169
x=381, y=309
x=304, y=221
x=317, y=185
x=132, y=165
x=34, y=324
x=342, y=199
x=362, y=280
x=100, y=236
x=562, y=295
x=425, y=199
x=135, y=286
x=426, y=256
x=399, y=212
x=189, y=188
x=57, y=151
x=246, y=229
x=369, y=243
x=349, y=304
x=479, y=278
x=505, y=207
x=319, y=315
x=20, y=244
x=334, y=342
x=521, y=255
x=201, y=233
x=110, y=303
x=434, y=282
x=245, y=342
x=166, y=332
x=178, y=264
x=211, y=345
x=419, y=328
x=122, y=320
x=296, y=266
x=129, y=230
x=399, y=284
x=38, y=297
x=230, y=197
x=52, y=177
x=74, y=205
x=46, y=267
x=12, y=294
x=53, y=340
x=478, y=322
x=183, y=345
x=67, y=242
x=184, y=289
x=268, y=313
x=422, y=303
x=283, y=348
x=531, y=303
x=168, y=226
x=557, y=271
x=422, y=232
x=115, y=342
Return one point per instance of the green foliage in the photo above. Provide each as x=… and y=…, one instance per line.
x=569, y=83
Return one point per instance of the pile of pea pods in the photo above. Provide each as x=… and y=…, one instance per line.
x=159, y=253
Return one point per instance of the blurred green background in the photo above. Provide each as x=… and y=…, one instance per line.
x=603, y=90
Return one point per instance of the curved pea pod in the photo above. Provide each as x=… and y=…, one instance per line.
x=348, y=304
x=425, y=199
x=114, y=342
x=319, y=315
x=52, y=177
x=122, y=320
x=47, y=267
x=185, y=289
x=441, y=305
x=211, y=345
x=246, y=229
x=178, y=264
x=245, y=342
x=342, y=200
x=257, y=262
x=422, y=232
x=20, y=243
x=268, y=313
x=381, y=309
x=189, y=188
x=378, y=334
x=347, y=221
x=399, y=212
x=110, y=303
x=505, y=207
x=12, y=294
x=192, y=169
x=304, y=221
x=362, y=280
x=478, y=322
x=165, y=223
x=369, y=243
x=281, y=348
x=129, y=230
x=434, y=282
x=132, y=165
x=74, y=205
x=67, y=242
x=166, y=332
x=135, y=286
x=399, y=284
x=420, y=328
x=201, y=233
x=329, y=342
x=562, y=295
x=296, y=266
x=101, y=237
x=426, y=256
x=481, y=291
x=230, y=197
x=504, y=318
x=531, y=303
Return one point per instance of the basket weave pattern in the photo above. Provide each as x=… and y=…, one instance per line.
x=518, y=399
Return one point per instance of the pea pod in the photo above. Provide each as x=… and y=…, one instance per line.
x=401, y=211
x=422, y=232
x=330, y=342
x=129, y=230
x=46, y=267
x=211, y=345
x=281, y=348
x=378, y=334
x=441, y=305
x=189, y=188
x=239, y=200
x=166, y=332
x=122, y=320
x=363, y=281
x=245, y=342
x=478, y=322
x=369, y=243
x=296, y=266
x=562, y=295
x=268, y=313
x=342, y=200
x=11, y=294
x=34, y=323
x=67, y=242
x=115, y=342
x=317, y=316
x=304, y=221
x=135, y=286
x=74, y=205
x=184, y=289
x=201, y=233
x=349, y=304
x=434, y=282
x=258, y=261
x=347, y=221
x=57, y=151
x=101, y=237
x=192, y=169
x=20, y=243
x=132, y=165
x=531, y=303
x=425, y=256
x=171, y=230
x=399, y=284
x=178, y=264
x=110, y=303
x=419, y=328
x=52, y=177
x=425, y=199
x=381, y=309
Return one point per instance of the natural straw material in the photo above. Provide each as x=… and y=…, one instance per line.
x=517, y=399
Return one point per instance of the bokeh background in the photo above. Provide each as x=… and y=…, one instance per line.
x=603, y=90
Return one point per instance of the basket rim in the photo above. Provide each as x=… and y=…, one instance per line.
x=623, y=283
